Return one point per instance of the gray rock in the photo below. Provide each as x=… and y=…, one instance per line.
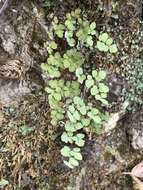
x=137, y=139
x=22, y=37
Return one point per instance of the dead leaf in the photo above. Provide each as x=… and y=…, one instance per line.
x=137, y=171
x=138, y=185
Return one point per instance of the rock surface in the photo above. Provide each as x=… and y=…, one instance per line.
x=23, y=32
x=19, y=26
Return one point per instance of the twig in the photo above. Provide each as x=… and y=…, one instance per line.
x=4, y=6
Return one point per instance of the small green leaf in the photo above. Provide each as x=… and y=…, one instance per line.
x=80, y=142
x=94, y=90
x=59, y=116
x=70, y=127
x=68, y=15
x=97, y=119
x=65, y=137
x=79, y=71
x=77, y=11
x=55, y=20
x=92, y=25
x=103, y=37
x=69, y=25
x=95, y=111
x=83, y=110
x=94, y=73
x=76, y=115
x=113, y=48
x=66, y=63
x=68, y=34
x=57, y=96
x=94, y=116
x=68, y=164
x=80, y=135
x=105, y=102
x=103, y=95
x=73, y=162
x=60, y=33
x=77, y=156
x=72, y=153
x=89, y=77
x=71, y=108
x=53, y=45
x=76, y=149
x=71, y=42
x=109, y=41
x=79, y=126
x=98, y=129
x=44, y=66
x=77, y=100
x=103, y=88
x=25, y=130
x=71, y=117
x=92, y=32
x=89, y=83
x=81, y=78
x=65, y=151
x=85, y=122
x=106, y=48
x=79, y=139
x=97, y=97
x=90, y=41
x=102, y=47
x=102, y=75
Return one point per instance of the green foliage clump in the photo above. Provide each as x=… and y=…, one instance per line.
x=25, y=130
x=80, y=75
x=58, y=28
x=71, y=24
x=82, y=115
x=52, y=65
x=94, y=84
x=69, y=137
x=58, y=91
x=76, y=29
x=49, y=3
x=73, y=155
x=71, y=60
x=79, y=116
x=86, y=32
x=134, y=92
x=105, y=44
x=65, y=64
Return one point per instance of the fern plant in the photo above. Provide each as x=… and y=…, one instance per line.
x=80, y=116
x=66, y=73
